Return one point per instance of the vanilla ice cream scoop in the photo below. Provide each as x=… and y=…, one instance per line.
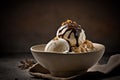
x=72, y=32
x=57, y=45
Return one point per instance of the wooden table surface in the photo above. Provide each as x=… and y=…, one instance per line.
x=9, y=68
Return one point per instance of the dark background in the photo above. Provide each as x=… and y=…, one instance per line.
x=26, y=23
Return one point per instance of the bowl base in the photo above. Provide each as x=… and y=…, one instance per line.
x=67, y=73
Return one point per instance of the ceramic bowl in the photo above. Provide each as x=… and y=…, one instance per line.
x=65, y=65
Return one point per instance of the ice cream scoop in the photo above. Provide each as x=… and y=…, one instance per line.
x=57, y=45
x=72, y=32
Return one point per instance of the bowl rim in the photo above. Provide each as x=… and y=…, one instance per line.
x=68, y=53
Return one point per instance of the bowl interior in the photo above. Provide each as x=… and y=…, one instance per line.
x=40, y=48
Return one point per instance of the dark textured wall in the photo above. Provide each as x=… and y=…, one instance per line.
x=27, y=23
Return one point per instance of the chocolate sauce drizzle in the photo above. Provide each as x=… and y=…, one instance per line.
x=75, y=29
x=70, y=47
